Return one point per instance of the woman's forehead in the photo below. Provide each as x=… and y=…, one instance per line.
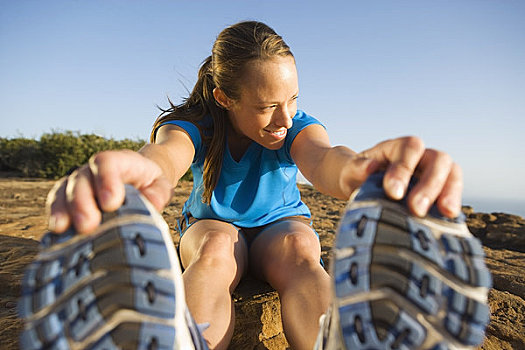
x=276, y=76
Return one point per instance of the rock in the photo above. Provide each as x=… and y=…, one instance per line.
x=257, y=317
x=507, y=322
x=257, y=306
x=467, y=210
x=498, y=230
x=507, y=268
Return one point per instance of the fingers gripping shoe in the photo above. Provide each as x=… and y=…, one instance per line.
x=403, y=282
x=119, y=288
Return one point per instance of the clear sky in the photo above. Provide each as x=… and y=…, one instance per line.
x=451, y=72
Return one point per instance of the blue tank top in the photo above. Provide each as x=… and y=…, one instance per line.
x=255, y=191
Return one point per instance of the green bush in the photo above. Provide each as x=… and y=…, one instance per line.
x=62, y=152
x=20, y=155
x=57, y=153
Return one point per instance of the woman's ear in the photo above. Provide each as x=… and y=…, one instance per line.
x=221, y=98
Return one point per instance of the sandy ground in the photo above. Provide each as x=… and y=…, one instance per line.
x=22, y=222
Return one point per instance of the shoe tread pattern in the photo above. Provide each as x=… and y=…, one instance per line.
x=415, y=272
x=75, y=286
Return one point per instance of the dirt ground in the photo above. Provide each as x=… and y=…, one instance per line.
x=22, y=222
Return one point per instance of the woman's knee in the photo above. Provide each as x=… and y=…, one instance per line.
x=216, y=249
x=213, y=246
x=298, y=252
x=299, y=248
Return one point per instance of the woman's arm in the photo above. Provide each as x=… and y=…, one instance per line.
x=173, y=151
x=338, y=171
x=154, y=170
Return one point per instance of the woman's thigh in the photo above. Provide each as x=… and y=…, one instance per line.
x=282, y=247
x=215, y=242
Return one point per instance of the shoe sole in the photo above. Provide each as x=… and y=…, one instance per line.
x=120, y=287
x=403, y=282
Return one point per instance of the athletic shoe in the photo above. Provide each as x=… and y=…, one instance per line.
x=404, y=282
x=120, y=287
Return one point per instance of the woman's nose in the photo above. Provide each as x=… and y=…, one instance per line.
x=283, y=117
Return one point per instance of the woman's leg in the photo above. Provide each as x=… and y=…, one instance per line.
x=215, y=257
x=287, y=255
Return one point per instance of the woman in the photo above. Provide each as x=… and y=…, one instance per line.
x=242, y=135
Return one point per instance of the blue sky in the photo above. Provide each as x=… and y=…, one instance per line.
x=451, y=72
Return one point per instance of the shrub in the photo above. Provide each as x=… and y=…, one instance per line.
x=58, y=153
x=20, y=155
x=63, y=152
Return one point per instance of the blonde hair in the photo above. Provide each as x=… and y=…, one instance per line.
x=232, y=51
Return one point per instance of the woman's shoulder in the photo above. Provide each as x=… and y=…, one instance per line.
x=302, y=120
x=205, y=121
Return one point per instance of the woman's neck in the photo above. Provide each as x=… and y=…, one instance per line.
x=237, y=143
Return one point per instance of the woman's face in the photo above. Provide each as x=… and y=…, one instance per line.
x=267, y=103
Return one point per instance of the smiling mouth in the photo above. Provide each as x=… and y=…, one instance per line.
x=279, y=133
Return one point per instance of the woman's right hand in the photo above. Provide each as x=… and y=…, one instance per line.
x=99, y=185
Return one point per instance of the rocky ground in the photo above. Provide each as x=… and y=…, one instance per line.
x=22, y=221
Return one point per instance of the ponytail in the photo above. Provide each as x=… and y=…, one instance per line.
x=200, y=103
x=213, y=160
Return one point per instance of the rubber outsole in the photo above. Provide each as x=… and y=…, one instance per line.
x=120, y=287
x=403, y=282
